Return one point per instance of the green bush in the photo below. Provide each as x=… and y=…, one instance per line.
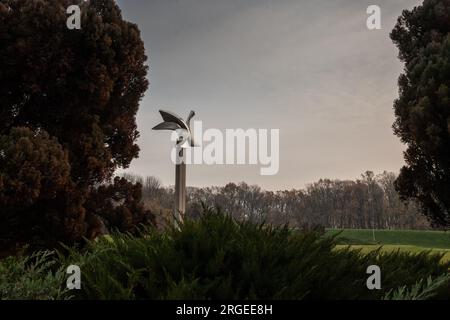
x=422, y=290
x=32, y=278
x=216, y=257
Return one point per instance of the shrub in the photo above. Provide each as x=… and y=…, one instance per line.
x=421, y=290
x=216, y=257
x=32, y=278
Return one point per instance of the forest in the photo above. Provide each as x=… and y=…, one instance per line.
x=368, y=202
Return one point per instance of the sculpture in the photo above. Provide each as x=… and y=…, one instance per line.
x=175, y=123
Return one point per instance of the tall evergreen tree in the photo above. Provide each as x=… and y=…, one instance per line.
x=422, y=110
x=77, y=92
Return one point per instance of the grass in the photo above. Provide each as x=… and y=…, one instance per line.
x=424, y=239
x=403, y=248
x=392, y=240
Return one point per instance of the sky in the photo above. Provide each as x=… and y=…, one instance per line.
x=311, y=69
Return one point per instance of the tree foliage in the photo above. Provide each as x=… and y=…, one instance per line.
x=368, y=202
x=422, y=110
x=77, y=93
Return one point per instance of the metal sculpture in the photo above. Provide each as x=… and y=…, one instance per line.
x=185, y=140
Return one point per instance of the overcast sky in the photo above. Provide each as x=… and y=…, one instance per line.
x=309, y=68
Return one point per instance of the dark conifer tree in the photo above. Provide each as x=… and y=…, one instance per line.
x=422, y=111
x=77, y=93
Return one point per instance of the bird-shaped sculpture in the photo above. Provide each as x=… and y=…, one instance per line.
x=177, y=124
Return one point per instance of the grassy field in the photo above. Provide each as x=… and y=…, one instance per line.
x=391, y=240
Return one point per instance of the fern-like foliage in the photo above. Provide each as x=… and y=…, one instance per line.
x=216, y=257
x=35, y=277
x=424, y=289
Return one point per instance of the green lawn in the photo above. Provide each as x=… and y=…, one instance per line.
x=391, y=240
x=389, y=248
x=424, y=239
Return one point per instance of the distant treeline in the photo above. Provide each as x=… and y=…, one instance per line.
x=368, y=202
